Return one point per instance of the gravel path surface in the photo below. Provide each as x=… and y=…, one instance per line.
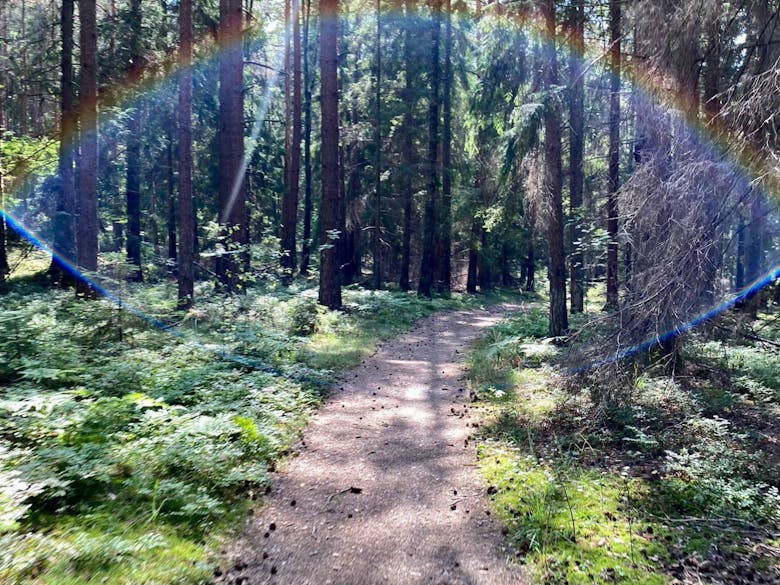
x=385, y=488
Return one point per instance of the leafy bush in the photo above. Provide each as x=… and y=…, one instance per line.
x=303, y=313
x=759, y=364
x=514, y=343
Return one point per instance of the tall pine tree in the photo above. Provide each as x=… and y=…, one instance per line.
x=553, y=173
x=186, y=255
x=330, y=283
x=88, y=161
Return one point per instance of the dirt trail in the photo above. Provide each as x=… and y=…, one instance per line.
x=385, y=488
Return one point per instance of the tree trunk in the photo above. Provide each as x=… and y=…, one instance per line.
x=506, y=274
x=471, y=274
x=64, y=244
x=427, y=266
x=330, y=285
x=287, y=76
x=292, y=86
x=348, y=242
x=186, y=256
x=295, y=158
x=351, y=157
x=484, y=268
x=171, y=207
x=712, y=69
x=307, y=201
x=152, y=227
x=530, y=267
x=628, y=256
x=377, y=235
x=614, y=155
x=232, y=185
x=739, y=283
x=88, y=162
x=476, y=226
x=407, y=148
x=23, y=87
x=755, y=247
x=445, y=280
x=552, y=153
x=576, y=149
x=134, y=148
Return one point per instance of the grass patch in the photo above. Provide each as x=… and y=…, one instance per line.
x=571, y=524
x=676, y=482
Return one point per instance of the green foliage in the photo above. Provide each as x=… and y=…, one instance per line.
x=103, y=546
x=24, y=157
x=123, y=445
x=754, y=365
x=515, y=341
x=303, y=313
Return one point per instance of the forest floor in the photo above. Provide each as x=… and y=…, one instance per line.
x=674, y=480
x=383, y=487
x=133, y=441
x=133, y=438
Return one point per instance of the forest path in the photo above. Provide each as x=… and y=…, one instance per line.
x=384, y=489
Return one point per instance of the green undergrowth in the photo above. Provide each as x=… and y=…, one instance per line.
x=676, y=482
x=132, y=440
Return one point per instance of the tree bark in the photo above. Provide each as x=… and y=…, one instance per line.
x=712, y=69
x=506, y=275
x=186, y=255
x=287, y=76
x=484, y=266
x=377, y=235
x=292, y=137
x=739, y=276
x=23, y=87
x=576, y=149
x=552, y=151
x=351, y=157
x=428, y=263
x=755, y=246
x=171, y=206
x=530, y=266
x=330, y=285
x=295, y=158
x=88, y=162
x=614, y=155
x=445, y=281
x=307, y=200
x=407, y=148
x=471, y=274
x=64, y=244
x=232, y=264
x=134, y=149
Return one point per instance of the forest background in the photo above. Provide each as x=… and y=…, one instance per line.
x=245, y=193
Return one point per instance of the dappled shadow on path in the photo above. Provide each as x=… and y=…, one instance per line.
x=384, y=487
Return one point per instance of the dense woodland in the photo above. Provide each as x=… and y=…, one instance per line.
x=586, y=140
x=196, y=169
